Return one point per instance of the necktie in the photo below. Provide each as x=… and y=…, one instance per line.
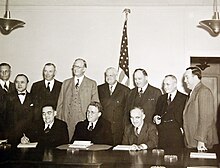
x=136, y=131
x=6, y=87
x=110, y=88
x=48, y=86
x=140, y=92
x=91, y=127
x=169, y=99
x=47, y=129
x=77, y=84
x=21, y=94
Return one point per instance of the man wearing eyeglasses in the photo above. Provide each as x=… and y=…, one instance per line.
x=95, y=128
x=75, y=95
x=49, y=132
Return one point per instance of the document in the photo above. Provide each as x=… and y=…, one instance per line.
x=123, y=147
x=80, y=144
x=28, y=145
x=203, y=155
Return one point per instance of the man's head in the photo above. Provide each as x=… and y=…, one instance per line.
x=192, y=77
x=137, y=116
x=79, y=67
x=94, y=111
x=49, y=71
x=48, y=114
x=140, y=77
x=5, y=71
x=21, y=82
x=111, y=75
x=170, y=83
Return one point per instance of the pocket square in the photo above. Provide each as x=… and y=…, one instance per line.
x=31, y=105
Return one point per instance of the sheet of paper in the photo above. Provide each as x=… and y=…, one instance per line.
x=122, y=147
x=203, y=155
x=28, y=145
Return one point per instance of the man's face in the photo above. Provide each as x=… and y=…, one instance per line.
x=92, y=113
x=189, y=79
x=21, y=83
x=169, y=85
x=110, y=77
x=140, y=79
x=78, y=68
x=5, y=72
x=137, y=117
x=48, y=114
x=49, y=72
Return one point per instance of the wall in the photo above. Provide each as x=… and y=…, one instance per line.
x=161, y=39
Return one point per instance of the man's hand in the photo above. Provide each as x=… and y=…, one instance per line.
x=157, y=119
x=201, y=146
x=24, y=139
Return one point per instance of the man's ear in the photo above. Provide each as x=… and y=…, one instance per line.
x=143, y=116
x=99, y=114
x=55, y=113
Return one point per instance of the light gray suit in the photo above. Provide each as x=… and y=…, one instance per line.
x=72, y=103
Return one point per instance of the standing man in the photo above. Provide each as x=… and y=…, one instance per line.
x=45, y=91
x=199, y=115
x=169, y=115
x=143, y=95
x=75, y=95
x=113, y=97
x=19, y=109
x=6, y=87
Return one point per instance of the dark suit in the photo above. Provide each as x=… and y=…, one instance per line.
x=3, y=94
x=147, y=101
x=114, y=108
x=170, y=135
x=101, y=134
x=57, y=135
x=148, y=135
x=42, y=96
x=18, y=116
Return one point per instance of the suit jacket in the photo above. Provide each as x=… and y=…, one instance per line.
x=148, y=102
x=18, y=116
x=42, y=96
x=199, y=118
x=3, y=94
x=148, y=135
x=114, y=108
x=87, y=91
x=101, y=134
x=169, y=130
x=57, y=135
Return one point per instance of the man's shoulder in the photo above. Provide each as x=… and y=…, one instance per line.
x=103, y=86
x=87, y=79
x=38, y=83
x=153, y=88
x=58, y=82
x=123, y=87
x=59, y=122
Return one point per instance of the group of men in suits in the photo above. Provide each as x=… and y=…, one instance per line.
x=76, y=102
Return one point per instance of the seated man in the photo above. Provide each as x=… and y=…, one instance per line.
x=50, y=132
x=95, y=128
x=140, y=134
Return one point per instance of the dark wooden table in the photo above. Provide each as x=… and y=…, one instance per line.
x=108, y=158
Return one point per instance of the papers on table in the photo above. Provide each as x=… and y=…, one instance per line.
x=80, y=144
x=3, y=141
x=203, y=155
x=123, y=147
x=28, y=145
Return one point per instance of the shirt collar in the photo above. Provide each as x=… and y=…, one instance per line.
x=80, y=79
x=3, y=83
x=51, y=82
x=113, y=86
x=173, y=94
x=50, y=125
x=143, y=88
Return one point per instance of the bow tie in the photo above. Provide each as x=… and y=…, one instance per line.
x=21, y=94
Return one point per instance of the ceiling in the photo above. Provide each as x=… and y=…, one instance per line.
x=108, y=2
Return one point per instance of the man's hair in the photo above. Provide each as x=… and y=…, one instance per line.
x=23, y=76
x=96, y=104
x=111, y=68
x=5, y=64
x=48, y=105
x=50, y=64
x=139, y=108
x=171, y=76
x=84, y=62
x=142, y=70
x=196, y=71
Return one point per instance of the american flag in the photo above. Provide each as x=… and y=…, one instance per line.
x=123, y=69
